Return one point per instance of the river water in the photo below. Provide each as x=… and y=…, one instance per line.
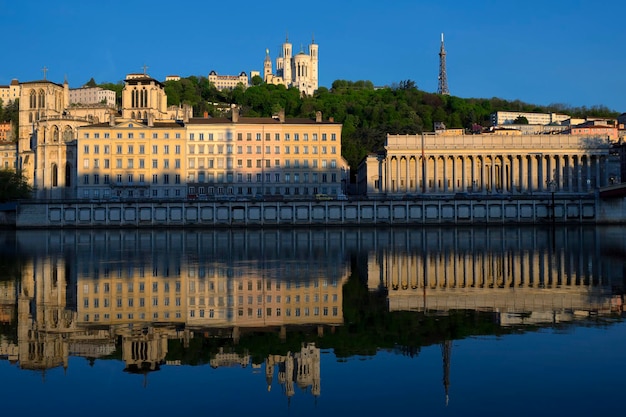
x=483, y=321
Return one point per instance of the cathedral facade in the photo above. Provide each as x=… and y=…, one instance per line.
x=46, y=147
x=300, y=71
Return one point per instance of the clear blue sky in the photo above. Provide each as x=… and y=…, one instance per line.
x=537, y=51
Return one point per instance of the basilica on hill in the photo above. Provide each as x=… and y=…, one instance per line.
x=300, y=70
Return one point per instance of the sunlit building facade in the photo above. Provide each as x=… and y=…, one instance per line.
x=488, y=164
x=247, y=157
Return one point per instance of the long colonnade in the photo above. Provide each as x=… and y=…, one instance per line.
x=486, y=164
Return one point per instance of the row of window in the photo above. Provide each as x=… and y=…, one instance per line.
x=210, y=301
x=258, y=163
x=106, y=193
x=220, y=136
x=212, y=149
x=259, y=150
x=130, y=179
x=205, y=163
x=130, y=149
x=156, y=193
x=131, y=316
x=259, y=136
x=266, y=178
x=130, y=135
x=202, y=286
x=130, y=163
x=202, y=313
x=164, y=179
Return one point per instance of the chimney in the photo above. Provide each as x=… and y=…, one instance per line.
x=331, y=119
x=111, y=119
x=318, y=116
x=150, y=119
x=281, y=116
x=206, y=114
x=235, y=114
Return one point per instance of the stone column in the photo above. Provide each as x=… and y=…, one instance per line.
x=396, y=189
x=523, y=173
x=463, y=174
x=424, y=166
x=473, y=173
x=503, y=167
x=579, y=174
x=435, y=188
x=408, y=174
x=513, y=174
x=570, y=169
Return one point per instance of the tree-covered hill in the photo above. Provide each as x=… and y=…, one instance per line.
x=367, y=113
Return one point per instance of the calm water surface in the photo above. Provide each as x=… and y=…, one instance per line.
x=436, y=321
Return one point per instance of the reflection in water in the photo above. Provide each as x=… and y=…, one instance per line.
x=525, y=277
x=147, y=297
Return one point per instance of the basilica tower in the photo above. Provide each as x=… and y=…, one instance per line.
x=267, y=65
x=313, y=53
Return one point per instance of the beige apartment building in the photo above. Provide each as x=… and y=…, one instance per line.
x=247, y=157
x=149, y=153
x=127, y=158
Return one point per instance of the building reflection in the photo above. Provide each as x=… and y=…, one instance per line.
x=131, y=293
x=92, y=294
x=524, y=278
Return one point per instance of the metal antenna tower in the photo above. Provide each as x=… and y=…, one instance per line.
x=443, y=78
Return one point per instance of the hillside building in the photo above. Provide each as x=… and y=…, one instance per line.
x=92, y=95
x=508, y=117
x=9, y=93
x=228, y=82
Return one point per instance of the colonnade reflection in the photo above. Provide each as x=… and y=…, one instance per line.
x=545, y=275
x=93, y=293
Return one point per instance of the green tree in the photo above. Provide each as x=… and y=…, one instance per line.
x=520, y=120
x=91, y=83
x=13, y=186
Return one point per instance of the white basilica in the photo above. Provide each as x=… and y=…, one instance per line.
x=299, y=71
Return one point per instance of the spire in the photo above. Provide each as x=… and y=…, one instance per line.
x=313, y=38
x=446, y=351
x=443, y=78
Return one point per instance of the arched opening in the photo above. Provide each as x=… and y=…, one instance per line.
x=67, y=133
x=54, y=175
x=68, y=175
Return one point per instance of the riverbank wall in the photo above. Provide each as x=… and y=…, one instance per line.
x=64, y=214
